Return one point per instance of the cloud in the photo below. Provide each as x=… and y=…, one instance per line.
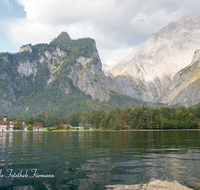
x=116, y=25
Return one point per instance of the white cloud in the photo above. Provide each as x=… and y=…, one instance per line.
x=116, y=25
x=113, y=57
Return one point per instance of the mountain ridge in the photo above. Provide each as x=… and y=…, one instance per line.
x=148, y=70
x=60, y=77
x=67, y=75
x=185, y=86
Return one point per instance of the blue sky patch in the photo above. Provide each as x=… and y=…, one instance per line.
x=13, y=11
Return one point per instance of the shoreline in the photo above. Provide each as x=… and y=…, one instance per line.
x=133, y=130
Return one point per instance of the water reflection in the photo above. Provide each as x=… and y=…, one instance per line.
x=83, y=160
x=157, y=184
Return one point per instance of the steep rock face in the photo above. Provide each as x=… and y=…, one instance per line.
x=53, y=58
x=47, y=75
x=185, y=87
x=27, y=68
x=88, y=76
x=147, y=71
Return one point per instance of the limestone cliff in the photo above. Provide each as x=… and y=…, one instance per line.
x=88, y=76
x=148, y=70
x=185, y=86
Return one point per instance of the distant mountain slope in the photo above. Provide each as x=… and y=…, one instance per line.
x=185, y=86
x=148, y=70
x=60, y=77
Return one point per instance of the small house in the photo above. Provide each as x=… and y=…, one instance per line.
x=25, y=126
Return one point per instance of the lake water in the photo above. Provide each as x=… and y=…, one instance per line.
x=95, y=160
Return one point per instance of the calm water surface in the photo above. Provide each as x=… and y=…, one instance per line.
x=93, y=160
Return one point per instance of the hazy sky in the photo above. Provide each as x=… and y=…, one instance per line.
x=116, y=25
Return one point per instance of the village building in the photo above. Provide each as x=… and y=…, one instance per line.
x=8, y=125
x=11, y=125
x=25, y=126
x=4, y=124
x=91, y=126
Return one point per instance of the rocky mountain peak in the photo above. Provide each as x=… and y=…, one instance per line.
x=64, y=34
x=147, y=71
x=62, y=39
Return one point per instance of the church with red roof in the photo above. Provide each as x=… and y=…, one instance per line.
x=4, y=124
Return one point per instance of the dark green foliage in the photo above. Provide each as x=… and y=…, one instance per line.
x=68, y=127
x=73, y=119
x=30, y=127
x=49, y=129
x=86, y=128
x=81, y=47
x=116, y=125
x=62, y=39
x=137, y=118
x=55, y=101
x=144, y=118
x=56, y=127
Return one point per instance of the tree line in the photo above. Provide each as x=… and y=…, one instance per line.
x=123, y=118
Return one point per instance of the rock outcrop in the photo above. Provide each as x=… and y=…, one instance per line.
x=88, y=76
x=27, y=68
x=27, y=47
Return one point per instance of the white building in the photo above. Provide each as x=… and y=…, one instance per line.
x=4, y=124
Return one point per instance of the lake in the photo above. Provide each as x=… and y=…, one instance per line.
x=98, y=160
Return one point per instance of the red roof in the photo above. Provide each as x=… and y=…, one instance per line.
x=4, y=123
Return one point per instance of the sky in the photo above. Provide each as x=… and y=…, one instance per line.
x=116, y=25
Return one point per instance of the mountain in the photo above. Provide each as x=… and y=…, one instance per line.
x=149, y=69
x=185, y=86
x=60, y=77
x=106, y=68
x=66, y=75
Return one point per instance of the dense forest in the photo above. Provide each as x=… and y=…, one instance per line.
x=127, y=118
